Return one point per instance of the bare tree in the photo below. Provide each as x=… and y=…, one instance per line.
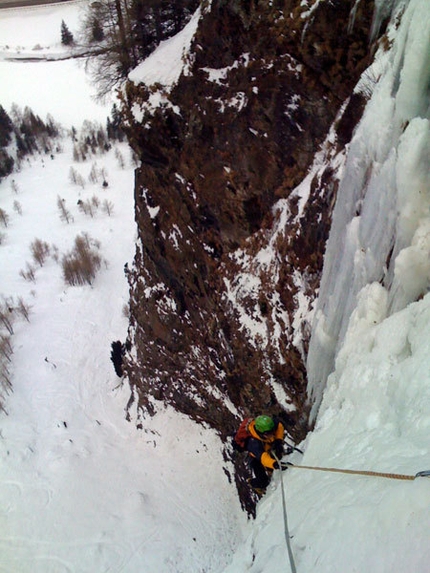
x=120, y=158
x=115, y=55
x=107, y=207
x=65, y=214
x=94, y=174
x=6, y=315
x=120, y=33
x=28, y=274
x=4, y=217
x=80, y=266
x=95, y=201
x=6, y=349
x=17, y=207
x=86, y=207
x=76, y=178
x=134, y=159
x=73, y=176
x=40, y=251
x=55, y=254
x=23, y=309
x=104, y=173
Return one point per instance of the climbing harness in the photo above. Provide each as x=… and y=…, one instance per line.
x=425, y=473
x=284, y=509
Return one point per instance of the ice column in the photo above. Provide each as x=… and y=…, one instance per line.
x=381, y=221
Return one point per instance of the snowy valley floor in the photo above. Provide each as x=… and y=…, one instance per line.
x=82, y=489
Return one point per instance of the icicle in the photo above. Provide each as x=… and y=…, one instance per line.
x=352, y=16
x=383, y=10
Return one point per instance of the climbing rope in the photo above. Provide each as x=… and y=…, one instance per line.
x=425, y=473
x=363, y=472
x=284, y=509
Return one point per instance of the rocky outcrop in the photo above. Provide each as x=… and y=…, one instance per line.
x=232, y=210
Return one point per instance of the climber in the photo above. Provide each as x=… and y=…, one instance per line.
x=260, y=438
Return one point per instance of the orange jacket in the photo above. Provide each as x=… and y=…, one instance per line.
x=261, y=450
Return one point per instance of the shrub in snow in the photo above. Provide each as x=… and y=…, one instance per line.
x=93, y=177
x=55, y=253
x=28, y=273
x=107, y=207
x=5, y=383
x=120, y=158
x=6, y=315
x=86, y=207
x=65, y=214
x=17, y=207
x=4, y=217
x=39, y=250
x=8, y=310
x=80, y=266
x=23, y=309
x=80, y=181
x=79, y=153
x=73, y=176
x=6, y=349
x=134, y=159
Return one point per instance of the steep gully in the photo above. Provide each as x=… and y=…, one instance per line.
x=229, y=254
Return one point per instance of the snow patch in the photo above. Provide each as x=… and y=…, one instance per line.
x=165, y=65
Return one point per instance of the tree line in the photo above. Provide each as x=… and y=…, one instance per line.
x=23, y=133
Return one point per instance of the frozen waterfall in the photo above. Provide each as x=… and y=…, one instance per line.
x=381, y=222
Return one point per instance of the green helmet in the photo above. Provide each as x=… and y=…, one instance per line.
x=264, y=424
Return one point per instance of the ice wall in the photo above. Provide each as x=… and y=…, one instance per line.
x=381, y=222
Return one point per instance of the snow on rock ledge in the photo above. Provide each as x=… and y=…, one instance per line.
x=165, y=65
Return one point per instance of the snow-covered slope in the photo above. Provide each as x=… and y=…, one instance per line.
x=82, y=490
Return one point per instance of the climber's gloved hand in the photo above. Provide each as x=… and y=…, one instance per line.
x=289, y=450
x=284, y=466
x=278, y=448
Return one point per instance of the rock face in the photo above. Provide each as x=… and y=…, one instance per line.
x=232, y=210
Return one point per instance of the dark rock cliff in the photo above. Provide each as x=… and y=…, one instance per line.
x=230, y=253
